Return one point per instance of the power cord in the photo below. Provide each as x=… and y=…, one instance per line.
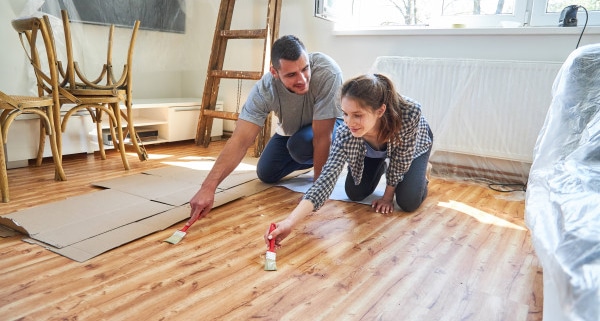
x=586, y=21
x=507, y=188
x=503, y=187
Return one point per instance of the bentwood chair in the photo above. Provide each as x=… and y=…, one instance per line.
x=48, y=82
x=13, y=106
x=108, y=83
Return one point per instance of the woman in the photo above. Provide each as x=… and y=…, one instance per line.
x=379, y=124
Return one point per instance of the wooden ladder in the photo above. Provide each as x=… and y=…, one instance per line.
x=215, y=71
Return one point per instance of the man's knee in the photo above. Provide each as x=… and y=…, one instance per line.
x=300, y=151
x=267, y=176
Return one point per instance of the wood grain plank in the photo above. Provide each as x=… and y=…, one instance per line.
x=465, y=254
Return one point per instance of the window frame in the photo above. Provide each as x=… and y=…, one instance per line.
x=519, y=16
x=526, y=13
x=539, y=17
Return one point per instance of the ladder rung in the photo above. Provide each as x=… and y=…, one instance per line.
x=220, y=114
x=244, y=34
x=256, y=75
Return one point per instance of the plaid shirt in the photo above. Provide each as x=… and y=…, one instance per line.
x=412, y=141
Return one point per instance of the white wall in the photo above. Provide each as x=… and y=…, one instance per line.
x=174, y=65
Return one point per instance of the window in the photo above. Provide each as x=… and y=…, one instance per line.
x=547, y=12
x=363, y=14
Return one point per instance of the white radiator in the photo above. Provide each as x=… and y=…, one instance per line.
x=487, y=108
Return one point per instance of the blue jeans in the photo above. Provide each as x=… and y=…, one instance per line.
x=285, y=154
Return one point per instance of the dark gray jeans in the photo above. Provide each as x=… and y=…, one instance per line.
x=410, y=193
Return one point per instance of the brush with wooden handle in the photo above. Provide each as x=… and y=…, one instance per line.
x=270, y=256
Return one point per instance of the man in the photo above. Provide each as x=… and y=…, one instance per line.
x=302, y=90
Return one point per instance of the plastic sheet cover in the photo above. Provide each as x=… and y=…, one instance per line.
x=562, y=207
x=485, y=114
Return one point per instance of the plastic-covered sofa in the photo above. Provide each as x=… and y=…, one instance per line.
x=562, y=207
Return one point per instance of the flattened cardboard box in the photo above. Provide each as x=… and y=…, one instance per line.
x=6, y=232
x=85, y=226
x=94, y=246
x=154, y=188
x=75, y=219
x=236, y=177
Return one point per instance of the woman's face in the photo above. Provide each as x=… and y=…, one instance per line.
x=361, y=120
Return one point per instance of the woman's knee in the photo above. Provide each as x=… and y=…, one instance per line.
x=410, y=204
x=356, y=196
x=409, y=207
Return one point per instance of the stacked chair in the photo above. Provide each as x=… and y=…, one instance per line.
x=45, y=106
x=75, y=92
x=108, y=86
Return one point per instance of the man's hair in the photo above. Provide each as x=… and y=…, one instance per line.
x=287, y=47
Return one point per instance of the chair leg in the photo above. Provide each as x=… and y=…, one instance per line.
x=53, y=132
x=121, y=140
x=3, y=174
x=41, y=145
x=100, y=140
x=137, y=144
x=59, y=129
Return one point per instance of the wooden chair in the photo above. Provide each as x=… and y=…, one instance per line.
x=48, y=82
x=108, y=83
x=13, y=106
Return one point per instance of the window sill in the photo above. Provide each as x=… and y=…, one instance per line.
x=431, y=31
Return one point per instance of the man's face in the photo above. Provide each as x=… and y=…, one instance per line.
x=294, y=74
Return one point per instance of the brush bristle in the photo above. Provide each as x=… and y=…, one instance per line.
x=176, y=237
x=270, y=261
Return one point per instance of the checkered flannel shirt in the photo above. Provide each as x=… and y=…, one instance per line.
x=412, y=141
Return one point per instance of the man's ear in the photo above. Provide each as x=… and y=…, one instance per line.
x=274, y=72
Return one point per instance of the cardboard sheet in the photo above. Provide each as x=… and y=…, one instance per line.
x=130, y=207
x=196, y=177
x=6, y=232
x=91, y=247
x=155, y=188
x=75, y=219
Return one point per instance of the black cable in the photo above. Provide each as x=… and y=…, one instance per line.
x=503, y=187
x=586, y=21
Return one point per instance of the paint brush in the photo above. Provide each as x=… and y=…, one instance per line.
x=179, y=234
x=270, y=256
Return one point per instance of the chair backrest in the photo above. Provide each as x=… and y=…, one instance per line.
x=107, y=79
x=36, y=37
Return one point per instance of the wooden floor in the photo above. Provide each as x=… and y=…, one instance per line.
x=465, y=255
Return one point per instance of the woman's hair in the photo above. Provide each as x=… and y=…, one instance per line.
x=371, y=91
x=287, y=47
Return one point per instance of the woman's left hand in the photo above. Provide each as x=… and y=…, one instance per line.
x=383, y=206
